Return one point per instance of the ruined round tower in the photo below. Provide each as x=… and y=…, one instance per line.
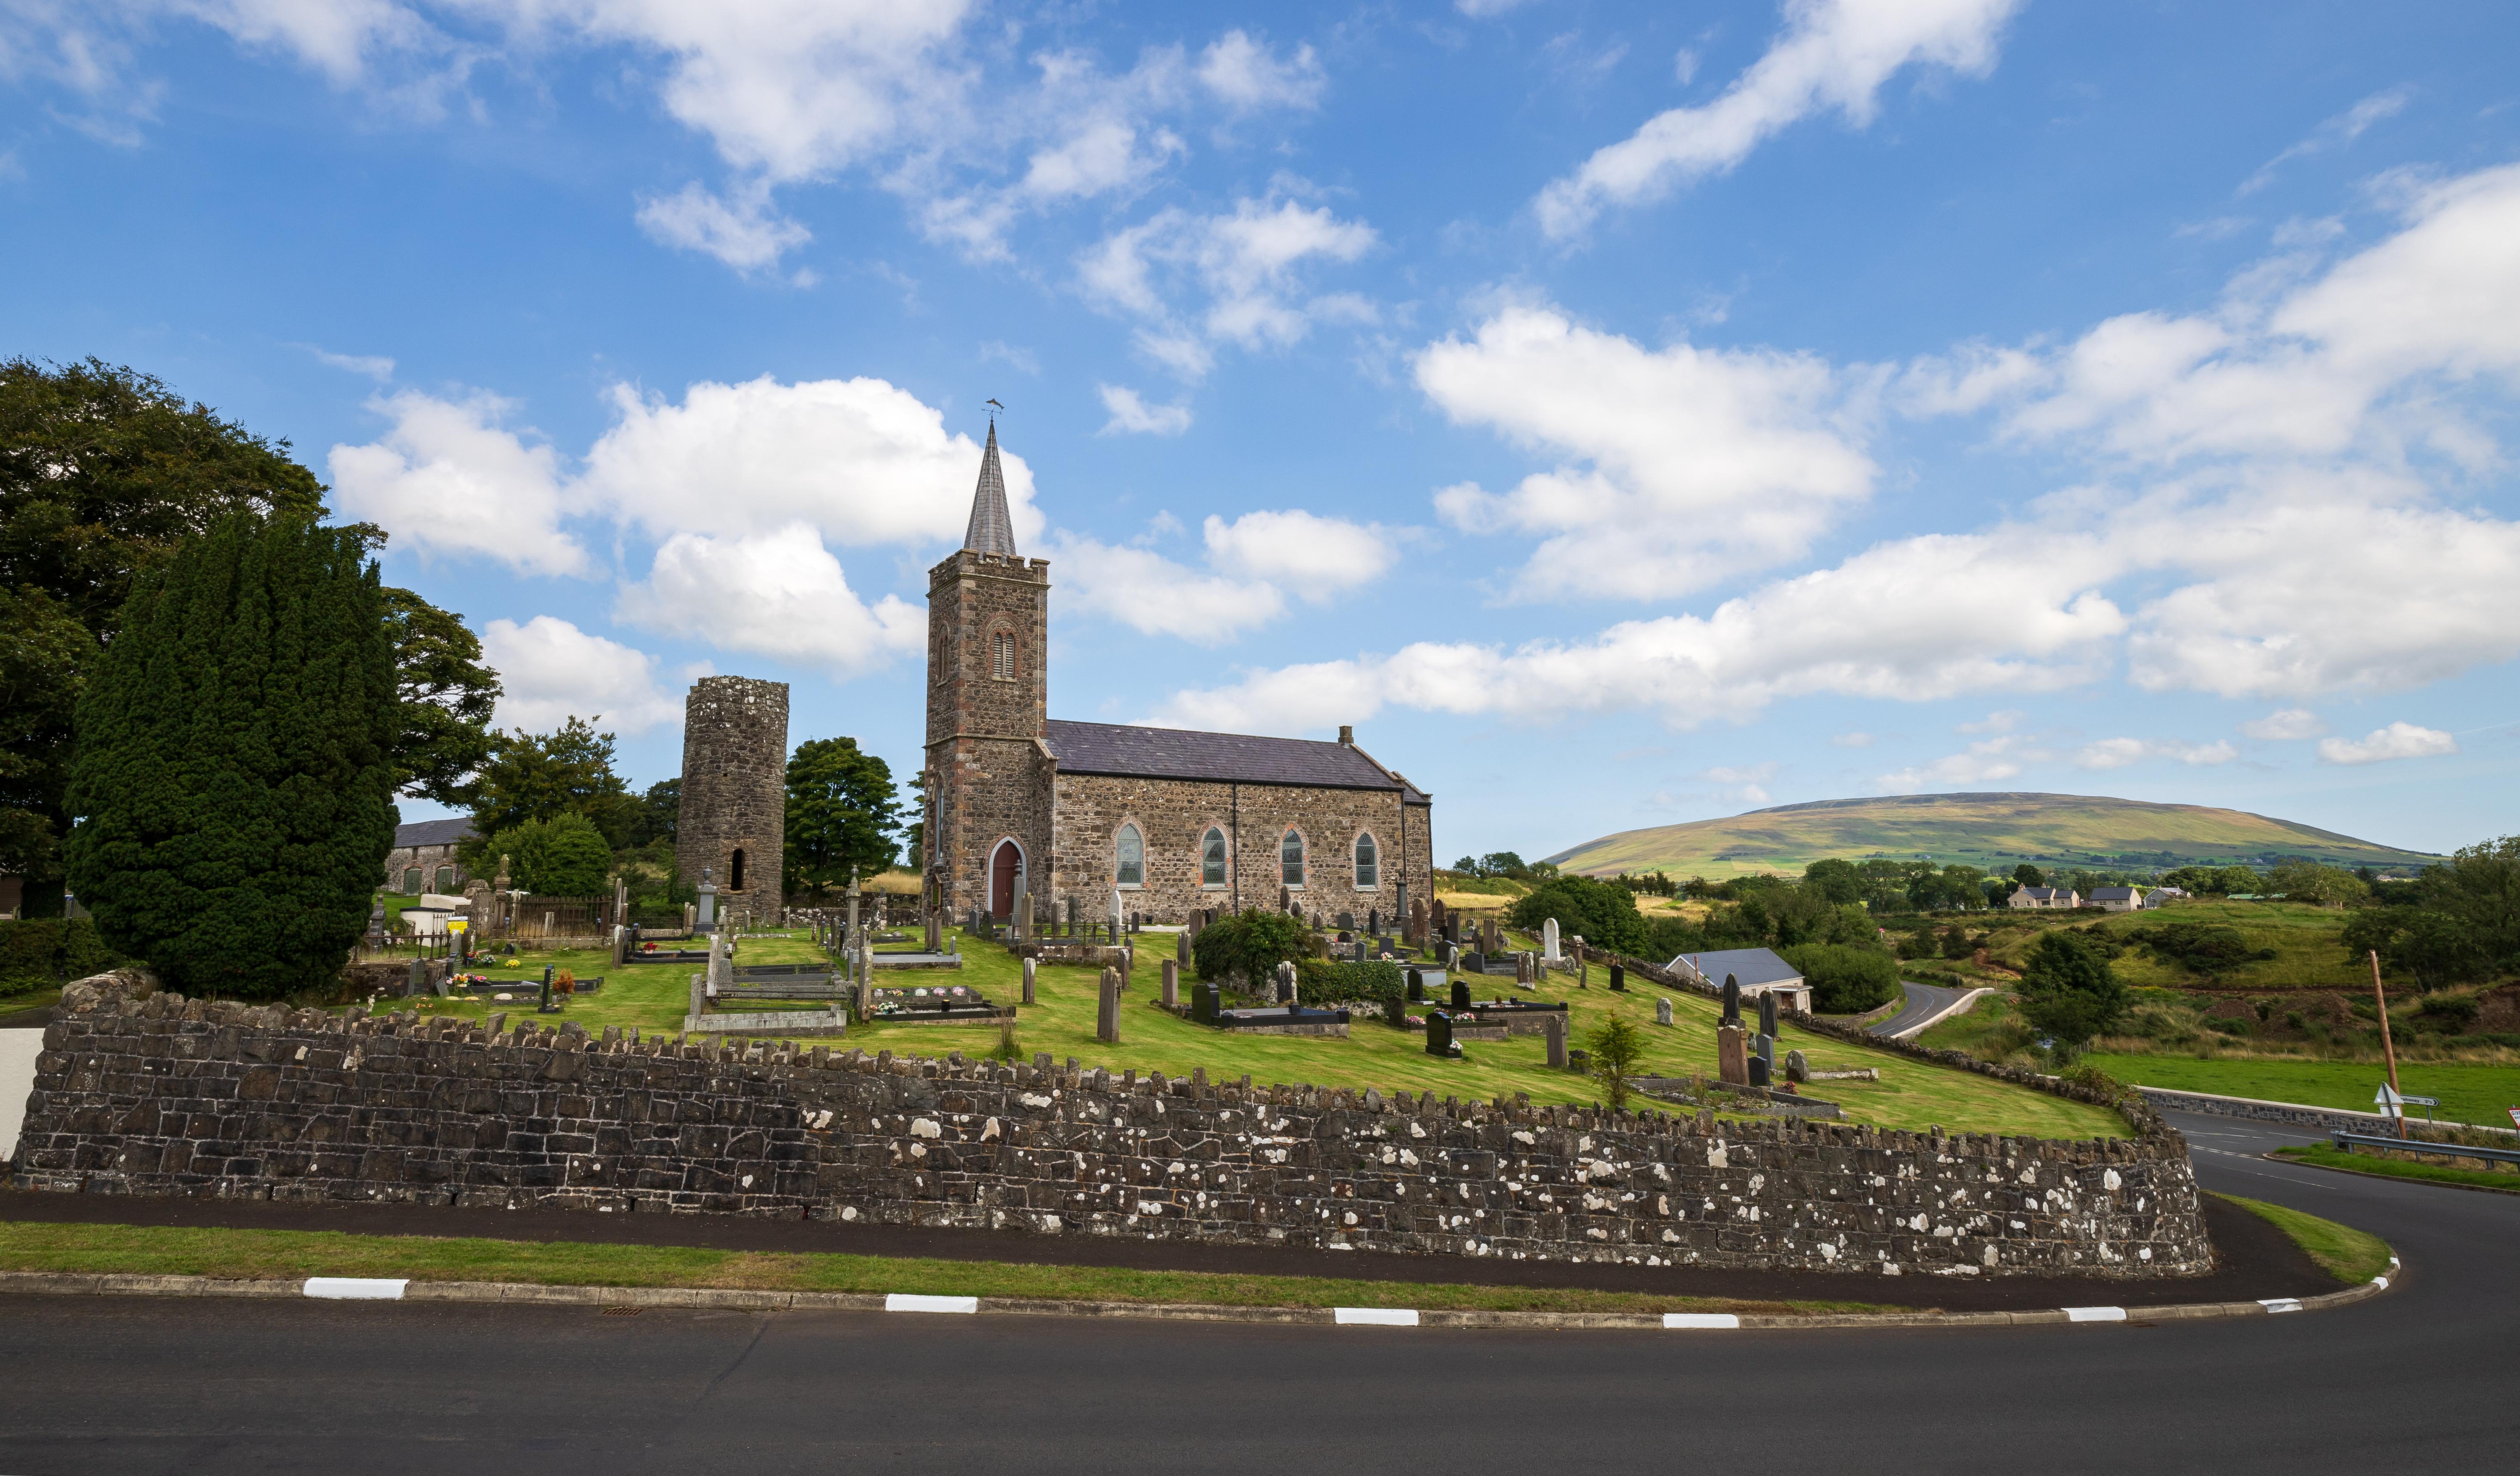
x=734, y=812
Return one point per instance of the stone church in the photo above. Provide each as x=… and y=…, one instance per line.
x=1176, y=822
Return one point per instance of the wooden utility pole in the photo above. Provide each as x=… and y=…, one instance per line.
x=2387, y=1050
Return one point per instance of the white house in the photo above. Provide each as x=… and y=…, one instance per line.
x=1758, y=970
x=2044, y=897
x=2117, y=899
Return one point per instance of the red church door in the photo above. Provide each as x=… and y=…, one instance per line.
x=1002, y=878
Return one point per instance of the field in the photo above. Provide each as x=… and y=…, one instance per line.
x=1910, y=1094
x=2468, y=1093
x=1995, y=832
x=2305, y=939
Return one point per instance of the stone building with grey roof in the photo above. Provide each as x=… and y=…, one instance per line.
x=1174, y=821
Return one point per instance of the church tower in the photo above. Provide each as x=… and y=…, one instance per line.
x=989, y=778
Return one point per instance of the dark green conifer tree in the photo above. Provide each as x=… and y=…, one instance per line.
x=232, y=796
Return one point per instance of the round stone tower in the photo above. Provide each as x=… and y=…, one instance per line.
x=734, y=811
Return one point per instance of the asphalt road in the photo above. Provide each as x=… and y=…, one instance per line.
x=2420, y=1379
x=1923, y=1000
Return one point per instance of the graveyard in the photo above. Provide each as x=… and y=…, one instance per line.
x=1909, y=1094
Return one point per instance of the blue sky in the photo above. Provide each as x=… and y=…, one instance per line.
x=1622, y=415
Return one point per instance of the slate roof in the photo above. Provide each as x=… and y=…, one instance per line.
x=2113, y=894
x=1750, y=966
x=992, y=531
x=433, y=832
x=1133, y=752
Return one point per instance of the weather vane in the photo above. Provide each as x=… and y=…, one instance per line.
x=994, y=404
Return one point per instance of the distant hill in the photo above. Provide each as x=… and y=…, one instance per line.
x=1996, y=831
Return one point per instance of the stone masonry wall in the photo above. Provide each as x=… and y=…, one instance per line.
x=734, y=784
x=143, y=1092
x=987, y=769
x=1173, y=816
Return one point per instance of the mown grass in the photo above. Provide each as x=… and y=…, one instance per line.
x=265, y=1254
x=2468, y=1093
x=2348, y=1254
x=2328, y=1157
x=1910, y=1094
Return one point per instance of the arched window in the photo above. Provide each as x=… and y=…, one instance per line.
x=1290, y=859
x=734, y=870
x=1002, y=656
x=1211, y=857
x=1369, y=861
x=446, y=880
x=411, y=879
x=1131, y=869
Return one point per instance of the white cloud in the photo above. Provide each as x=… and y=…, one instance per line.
x=2290, y=723
x=1704, y=462
x=1995, y=722
x=2344, y=129
x=777, y=594
x=1133, y=416
x=1985, y=763
x=1833, y=54
x=447, y=478
x=376, y=367
x=1195, y=280
x=549, y=670
x=1244, y=73
x=1484, y=8
x=861, y=460
x=2119, y=752
x=2381, y=745
x=1153, y=596
x=746, y=232
x=1313, y=557
x=1856, y=740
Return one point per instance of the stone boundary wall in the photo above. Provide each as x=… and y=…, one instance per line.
x=149, y=1093
x=2296, y=1114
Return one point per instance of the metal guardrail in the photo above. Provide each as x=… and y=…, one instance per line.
x=2345, y=1142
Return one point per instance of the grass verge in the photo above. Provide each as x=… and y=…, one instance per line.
x=2326, y=1156
x=259, y=1254
x=2350, y=1254
x=2468, y=1093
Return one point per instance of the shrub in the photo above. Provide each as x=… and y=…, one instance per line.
x=1243, y=950
x=1372, y=982
x=39, y=953
x=562, y=857
x=1844, y=981
x=1605, y=913
x=2068, y=990
x=1613, y=1051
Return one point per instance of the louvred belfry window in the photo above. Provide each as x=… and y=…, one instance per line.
x=1002, y=656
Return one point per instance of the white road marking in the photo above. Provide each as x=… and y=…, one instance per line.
x=1374, y=1316
x=902, y=1301
x=356, y=1289
x=2281, y=1304
x=2095, y=1313
x=1700, y=1319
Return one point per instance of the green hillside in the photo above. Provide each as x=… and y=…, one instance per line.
x=1996, y=831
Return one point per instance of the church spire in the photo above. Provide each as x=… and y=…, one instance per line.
x=991, y=530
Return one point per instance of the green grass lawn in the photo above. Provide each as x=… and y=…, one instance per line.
x=2364, y=1161
x=1910, y=1094
x=259, y=1254
x=2304, y=938
x=2348, y=1254
x=2468, y=1093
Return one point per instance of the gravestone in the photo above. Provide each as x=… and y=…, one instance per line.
x=1202, y=1004
x=1461, y=993
x=1286, y=983
x=1549, y=940
x=1373, y=919
x=1474, y=963
x=1182, y=941
x=1732, y=1002
x=415, y=979
x=1439, y=1033
x=1395, y=1012
x=1522, y=968
x=1662, y=1010
x=1030, y=967
x=1360, y=951
x=1417, y=987
x=1023, y=908
x=1797, y=1069
x=1759, y=1072
x=1554, y=1028
x=1733, y=1054
x=1619, y=977
x=1765, y=1047
x=1767, y=1012
x=1107, y=1017
x=1172, y=984
x=1347, y=922
x=1453, y=931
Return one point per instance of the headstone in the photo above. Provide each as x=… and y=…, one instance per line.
x=1030, y=967
x=1172, y=983
x=414, y=979
x=1759, y=1073
x=1415, y=931
x=1181, y=944
x=1619, y=977
x=1461, y=993
x=1439, y=1033
x=1372, y=920
x=1395, y=1012
x=1732, y=1002
x=1522, y=968
x=1765, y=1047
x=1362, y=953
x=1767, y=1012
x=706, y=915
x=1474, y=963
x=1023, y=908
x=1286, y=983
x=1347, y=922
x=1417, y=987
x=1549, y=940
x=1554, y=1028
x=1662, y=1010
x=1797, y=1069
x=1202, y=1004
x=1733, y=1055
x=1106, y=1019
